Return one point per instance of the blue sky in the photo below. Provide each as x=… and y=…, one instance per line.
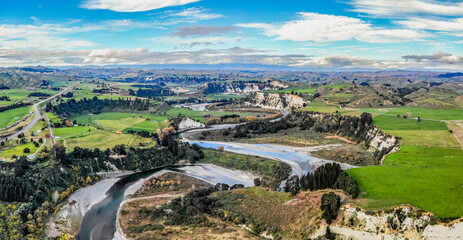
x=320, y=34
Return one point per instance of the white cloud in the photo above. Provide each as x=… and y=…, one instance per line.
x=194, y=13
x=196, y=41
x=405, y=7
x=55, y=36
x=455, y=24
x=187, y=31
x=142, y=56
x=45, y=36
x=439, y=57
x=133, y=5
x=325, y=28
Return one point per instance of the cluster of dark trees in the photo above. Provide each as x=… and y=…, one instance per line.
x=32, y=182
x=229, y=116
x=39, y=94
x=190, y=210
x=330, y=206
x=280, y=172
x=358, y=129
x=326, y=176
x=154, y=91
x=3, y=87
x=68, y=95
x=96, y=106
x=12, y=106
x=4, y=98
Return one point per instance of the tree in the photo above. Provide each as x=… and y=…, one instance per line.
x=26, y=150
x=257, y=182
x=292, y=185
x=20, y=166
x=60, y=154
x=330, y=206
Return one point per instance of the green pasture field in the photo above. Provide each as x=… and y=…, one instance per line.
x=13, y=115
x=82, y=137
x=257, y=165
x=52, y=118
x=426, y=177
x=21, y=94
x=199, y=115
x=393, y=123
x=122, y=122
x=339, y=85
x=18, y=151
x=434, y=138
x=446, y=114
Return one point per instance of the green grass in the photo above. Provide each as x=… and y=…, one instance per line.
x=337, y=86
x=53, y=118
x=426, y=177
x=317, y=106
x=122, y=122
x=18, y=150
x=435, y=138
x=82, y=137
x=13, y=115
x=21, y=94
x=393, y=123
x=258, y=165
x=447, y=114
x=149, y=126
x=199, y=115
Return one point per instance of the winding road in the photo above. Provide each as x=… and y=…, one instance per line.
x=37, y=112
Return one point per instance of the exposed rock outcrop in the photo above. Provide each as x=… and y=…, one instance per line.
x=279, y=101
x=242, y=87
x=188, y=123
x=398, y=223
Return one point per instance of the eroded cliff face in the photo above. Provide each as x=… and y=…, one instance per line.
x=359, y=129
x=242, y=87
x=188, y=123
x=398, y=223
x=278, y=101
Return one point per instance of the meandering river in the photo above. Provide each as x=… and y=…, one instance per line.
x=100, y=221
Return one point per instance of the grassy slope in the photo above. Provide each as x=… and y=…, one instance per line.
x=18, y=150
x=80, y=136
x=424, y=173
x=447, y=114
x=426, y=177
x=11, y=116
x=258, y=165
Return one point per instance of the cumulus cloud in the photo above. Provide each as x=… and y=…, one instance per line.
x=133, y=5
x=326, y=28
x=187, y=31
x=405, y=7
x=143, y=56
x=440, y=57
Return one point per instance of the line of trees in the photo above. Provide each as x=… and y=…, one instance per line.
x=34, y=185
x=326, y=176
x=154, y=91
x=359, y=129
x=94, y=105
x=13, y=106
